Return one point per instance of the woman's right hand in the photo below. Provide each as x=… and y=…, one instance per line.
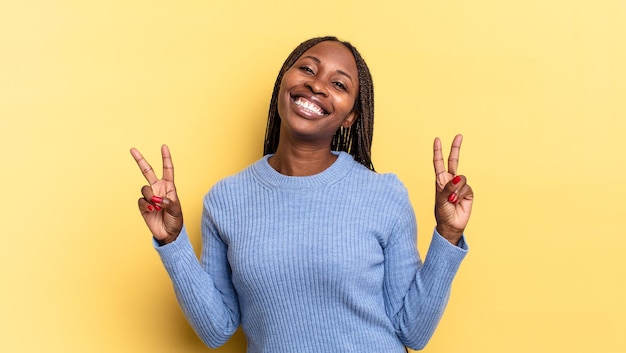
x=159, y=205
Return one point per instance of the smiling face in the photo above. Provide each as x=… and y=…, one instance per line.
x=318, y=92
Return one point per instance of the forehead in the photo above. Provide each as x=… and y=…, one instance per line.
x=334, y=54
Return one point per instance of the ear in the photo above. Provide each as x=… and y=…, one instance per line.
x=350, y=119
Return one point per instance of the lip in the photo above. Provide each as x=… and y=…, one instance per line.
x=313, y=99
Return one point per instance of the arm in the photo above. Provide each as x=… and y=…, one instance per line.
x=203, y=292
x=416, y=294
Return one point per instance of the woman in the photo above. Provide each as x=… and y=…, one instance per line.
x=309, y=249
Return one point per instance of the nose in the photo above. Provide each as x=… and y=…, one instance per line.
x=316, y=86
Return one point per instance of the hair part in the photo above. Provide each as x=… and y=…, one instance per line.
x=356, y=139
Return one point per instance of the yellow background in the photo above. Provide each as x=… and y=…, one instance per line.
x=537, y=87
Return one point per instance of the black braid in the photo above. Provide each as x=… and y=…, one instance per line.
x=355, y=140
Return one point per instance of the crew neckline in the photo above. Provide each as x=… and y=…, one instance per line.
x=268, y=175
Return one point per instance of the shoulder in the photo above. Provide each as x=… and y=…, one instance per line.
x=388, y=183
x=231, y=186
x=379, y=190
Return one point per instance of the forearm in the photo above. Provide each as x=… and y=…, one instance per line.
x=198, y=297
x=419, y=308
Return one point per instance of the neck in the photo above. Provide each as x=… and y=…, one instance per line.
x=298, y=161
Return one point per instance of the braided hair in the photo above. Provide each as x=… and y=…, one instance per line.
x=356, y=139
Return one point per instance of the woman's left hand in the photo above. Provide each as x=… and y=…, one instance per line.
x=453, y=196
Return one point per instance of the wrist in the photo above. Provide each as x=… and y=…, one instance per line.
x=451, y=234
x=165, y=241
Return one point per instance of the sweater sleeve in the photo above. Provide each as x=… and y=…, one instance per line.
x=416, y=293
x=203, y=289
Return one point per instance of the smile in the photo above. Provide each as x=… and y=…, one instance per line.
x=309, y=106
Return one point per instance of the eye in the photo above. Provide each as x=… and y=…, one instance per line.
x=307, y=69
x=340, y=85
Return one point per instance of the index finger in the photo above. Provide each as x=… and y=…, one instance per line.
x=168, y=166
x=453, y=159
x=438, y=163
x=146, y=168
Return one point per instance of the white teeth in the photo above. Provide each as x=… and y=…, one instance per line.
x=309, y=106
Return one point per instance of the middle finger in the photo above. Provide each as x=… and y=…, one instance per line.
x=453, y=159
x=146, y=168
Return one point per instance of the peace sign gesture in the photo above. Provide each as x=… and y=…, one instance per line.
x=453, y=196
x=159, y=205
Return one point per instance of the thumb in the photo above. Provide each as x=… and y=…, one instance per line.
x=172, y=218
x=171, y=207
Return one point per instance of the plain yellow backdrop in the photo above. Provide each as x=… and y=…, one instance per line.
x=537, y=87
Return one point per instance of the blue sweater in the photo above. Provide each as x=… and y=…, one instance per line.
x=323, y=263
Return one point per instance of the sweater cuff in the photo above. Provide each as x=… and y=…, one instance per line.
x=180, y=250
x=461, y=245
x=443, y=261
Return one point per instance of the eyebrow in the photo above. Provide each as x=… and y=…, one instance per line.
x=338, y=71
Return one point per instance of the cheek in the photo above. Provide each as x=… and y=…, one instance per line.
x=347, y=104
x=282, y=100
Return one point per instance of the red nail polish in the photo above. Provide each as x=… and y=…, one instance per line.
x=456, y=179
x=156, y=199
x=158, y=208
x=150, y=208
x=452, y=198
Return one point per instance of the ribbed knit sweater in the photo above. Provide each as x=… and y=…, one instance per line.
x=322, y=263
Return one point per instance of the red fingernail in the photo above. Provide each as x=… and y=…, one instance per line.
x=456, y=179
x=150, y=208
x=158, y=208
x=452, y=197
x=156, y=199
